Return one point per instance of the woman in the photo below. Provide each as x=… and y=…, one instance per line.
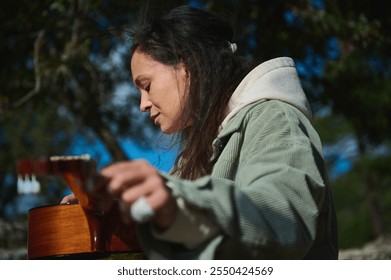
x=249, y=181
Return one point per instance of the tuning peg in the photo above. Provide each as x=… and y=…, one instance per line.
x=27, y=184
x=35, y=185
x=20, y=185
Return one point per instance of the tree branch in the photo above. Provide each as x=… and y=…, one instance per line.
x=37, y=72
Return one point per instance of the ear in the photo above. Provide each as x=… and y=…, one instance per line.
x=184, y=73
x=183, y=67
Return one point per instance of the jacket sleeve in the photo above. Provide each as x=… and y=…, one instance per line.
x=191, y=226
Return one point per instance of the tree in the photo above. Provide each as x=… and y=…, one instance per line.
x=59, y=75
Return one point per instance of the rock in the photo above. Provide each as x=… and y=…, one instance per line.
x=13, y=254
x=380, y=249
x=13, y=240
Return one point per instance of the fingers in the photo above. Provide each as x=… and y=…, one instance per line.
x=129, y=181
x=122, y=175
x=151, y=187
x=71, y=198
x=142, y=208
x=137, y=185
x=159, y=207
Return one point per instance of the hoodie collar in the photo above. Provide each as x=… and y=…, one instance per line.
x=274, y=79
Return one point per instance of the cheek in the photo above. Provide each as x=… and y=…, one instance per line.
x=173, y=102
x=172, y=114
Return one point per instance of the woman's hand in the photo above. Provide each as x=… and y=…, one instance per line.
x=130, y=180
x=70, y=198
x=127, y=182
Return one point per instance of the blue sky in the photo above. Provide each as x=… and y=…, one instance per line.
x=159, y=155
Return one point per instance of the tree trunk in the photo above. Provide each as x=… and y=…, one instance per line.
x=111, y=143
x=373, y=201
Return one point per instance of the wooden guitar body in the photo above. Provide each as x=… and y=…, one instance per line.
x=66, y=231
x=75, y=231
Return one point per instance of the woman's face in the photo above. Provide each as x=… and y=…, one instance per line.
x=163, y=91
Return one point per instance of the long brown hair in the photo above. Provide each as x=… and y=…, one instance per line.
x=201, y=40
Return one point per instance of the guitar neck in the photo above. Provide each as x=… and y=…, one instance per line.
x=56, y=165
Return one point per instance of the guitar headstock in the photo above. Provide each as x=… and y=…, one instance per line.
x=77, y=171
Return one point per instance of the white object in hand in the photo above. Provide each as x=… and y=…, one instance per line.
x=141, y=211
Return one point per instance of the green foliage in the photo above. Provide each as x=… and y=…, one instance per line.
x=332, y=128
x=361, y=95
x=355, y=216
x=353, y=213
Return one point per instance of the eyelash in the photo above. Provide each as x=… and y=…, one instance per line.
x=148, y=87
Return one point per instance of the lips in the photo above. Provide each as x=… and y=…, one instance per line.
x=153, y=117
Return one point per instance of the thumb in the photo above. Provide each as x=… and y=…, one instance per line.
x=71, y=198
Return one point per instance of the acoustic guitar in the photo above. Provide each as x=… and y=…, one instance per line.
x=76, y=231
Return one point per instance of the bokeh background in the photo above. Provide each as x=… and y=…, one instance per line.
x=65, y=89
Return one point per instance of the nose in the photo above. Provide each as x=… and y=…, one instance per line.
x=145, y=103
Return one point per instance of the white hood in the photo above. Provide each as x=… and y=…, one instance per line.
x=274, y=79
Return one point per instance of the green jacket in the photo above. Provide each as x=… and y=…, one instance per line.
x=268, y=191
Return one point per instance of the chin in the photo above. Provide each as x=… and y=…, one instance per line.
x=169, y=130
